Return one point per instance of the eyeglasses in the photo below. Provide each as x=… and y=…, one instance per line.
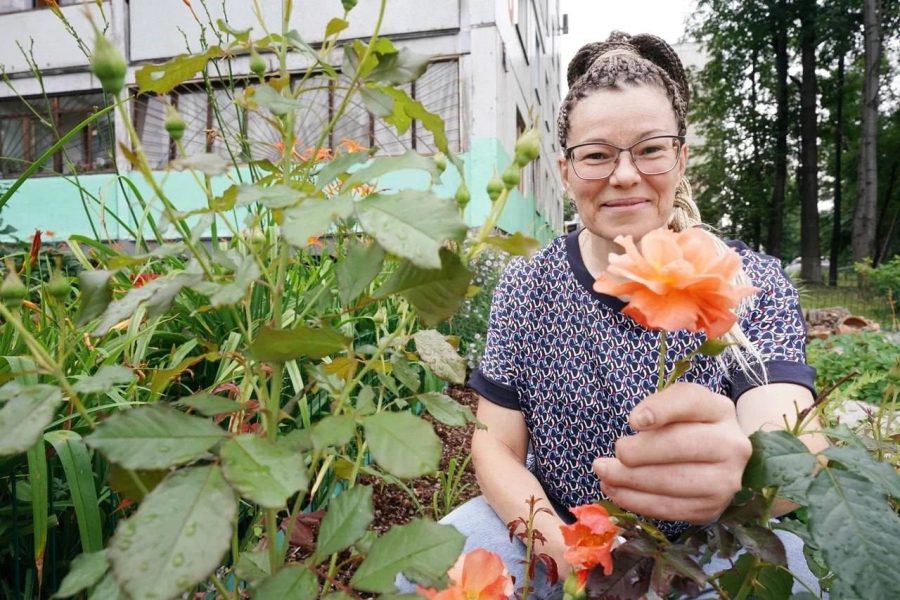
x=651, y=156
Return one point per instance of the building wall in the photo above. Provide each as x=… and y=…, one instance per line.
x=506, y=51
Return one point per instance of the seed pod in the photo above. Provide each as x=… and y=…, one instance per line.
x=440, y=161
x=12, y=290
x=174, y=123
x=108, y=65
x=257, y=64
x=462, y=195
x=494, y=187
x=528, y=146
x=511, y=176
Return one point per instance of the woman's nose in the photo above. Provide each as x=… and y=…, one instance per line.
x=624, y=174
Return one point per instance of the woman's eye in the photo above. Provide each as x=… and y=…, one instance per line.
x=597, y=156
x=651, y=150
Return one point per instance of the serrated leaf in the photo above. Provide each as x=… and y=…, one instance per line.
x=406, y=110
x=210, y=405
x=292, y=581
x=398, y=67
x=760, y=542
x=346, y=521
x=856, y=530
x=445, y=409
x=106, y=377
x=253, y=566
x=780, y=459
x=154, y=437
x=333, y=431
x=442, y=358
x=313, y=218
x=377, y=101
x=262, y=471
x=267, y=97
x=157, y=295
x=177, y=536
x=435, y=293
x=862, y=463
x=26, y=411
x=403, y=372
x=336, y=167
x=772, y=583
x=85, y=571
x=357, y=270
x=275, y=196
x=382, y=165
x=231, y=292
x=516, y=244
x=96, y=294
x=165, y=77
x=208, y=163
x=282, y=345
x=402, y=444
x=427, y=548
x=365, y=401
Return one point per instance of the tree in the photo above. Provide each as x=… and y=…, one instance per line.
x=811, y=269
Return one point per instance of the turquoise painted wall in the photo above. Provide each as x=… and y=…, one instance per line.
x=56, y=204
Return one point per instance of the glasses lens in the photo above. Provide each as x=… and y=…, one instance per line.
x=594, y=161
x=656, y=155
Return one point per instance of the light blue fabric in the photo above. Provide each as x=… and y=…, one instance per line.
x=484, y=529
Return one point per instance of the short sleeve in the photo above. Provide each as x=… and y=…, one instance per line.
x=497, y=377
x=777, y=328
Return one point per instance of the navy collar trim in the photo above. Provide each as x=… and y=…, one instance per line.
x=583, y=276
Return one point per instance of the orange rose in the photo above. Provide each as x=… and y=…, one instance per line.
x=676, y=281
x=478, y=575
x=350, y=145
x=590, y=538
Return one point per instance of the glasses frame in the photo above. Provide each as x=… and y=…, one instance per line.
x=570, y=156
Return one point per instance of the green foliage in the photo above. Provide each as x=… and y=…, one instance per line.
x=885, y=278
x=871, y=355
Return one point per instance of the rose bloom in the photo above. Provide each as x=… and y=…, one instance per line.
x=590, y=538
x=478, y=575
x=677, y=280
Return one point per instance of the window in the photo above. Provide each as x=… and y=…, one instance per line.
x=222, y=127
x=10, y=6
x=28, y=130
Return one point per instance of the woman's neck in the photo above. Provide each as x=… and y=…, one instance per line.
x=595, y=252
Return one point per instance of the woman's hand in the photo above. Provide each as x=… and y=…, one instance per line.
x=686, y=461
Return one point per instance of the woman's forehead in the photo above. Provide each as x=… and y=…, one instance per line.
x=621, y=115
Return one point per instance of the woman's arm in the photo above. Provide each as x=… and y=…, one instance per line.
x=498, y=455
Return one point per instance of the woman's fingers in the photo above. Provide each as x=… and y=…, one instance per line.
x=686, y=480
x=657, y=506
x=684, y=443
x=681, y=403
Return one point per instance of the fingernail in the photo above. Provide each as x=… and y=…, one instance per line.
x=642, y=418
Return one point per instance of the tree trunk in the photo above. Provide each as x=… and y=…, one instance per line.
x=776, y=205
x=881, y=248
x=867, y=198
x=757, y=210
x=811, y=269
x=838, y=155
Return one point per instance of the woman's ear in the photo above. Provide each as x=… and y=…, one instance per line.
x=684, y=159
x=563, y=165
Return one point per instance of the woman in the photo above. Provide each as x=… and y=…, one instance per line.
x=568, y=376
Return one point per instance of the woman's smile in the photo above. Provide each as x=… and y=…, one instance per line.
x=620, y=205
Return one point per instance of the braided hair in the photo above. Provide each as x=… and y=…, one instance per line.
x=646, y=59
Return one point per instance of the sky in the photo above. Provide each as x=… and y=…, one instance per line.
x=594, y=20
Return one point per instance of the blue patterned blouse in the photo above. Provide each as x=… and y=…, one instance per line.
x=575, y=366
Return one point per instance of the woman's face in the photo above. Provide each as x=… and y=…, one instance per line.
x=626, y=202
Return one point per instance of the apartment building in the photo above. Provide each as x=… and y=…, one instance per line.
x=495, y=70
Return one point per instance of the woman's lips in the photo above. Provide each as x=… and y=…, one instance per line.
x=624, y=204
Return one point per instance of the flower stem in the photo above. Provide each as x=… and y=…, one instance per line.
x=661, y=379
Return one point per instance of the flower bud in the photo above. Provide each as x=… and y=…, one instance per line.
x=257, y=64
x=511, y=176
x=174, y=123
x=528, y=146
x=12, y=290
x=58, y=287
x=494, y=187
x=108, y=65
x=462, y=195
x=440, y=161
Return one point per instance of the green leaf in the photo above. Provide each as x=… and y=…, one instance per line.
x=333, y=431
x=210, y=405
x=405, y=373
x=106, y=377
x=232, y=292
x=292, y=581
x=96, y=294
x=357, y=270
x=445, y=409
x=410, y=160
x=165, y=77
x=780, y=459
x=402, y=444
x=516, y=244
x=337, y=167
x=365, y=401
x=313, y=218
x=208, y=163
x=107, y=589
x=241, y=35
x=712, y=347
x=178, y=535
x=267, y=97
x=158, y=295
x=348, y=4
x=399, y=67
x=262, y=471
x=760, y=542
x=772, y=583
x=379, y=103
x=406, y=110
x=411, y=224
x=253, y=566
x=335, y=26
x=86, y=570
x=275, y=196
x=134, y=485
x=78, y=468
x=862, y=463
x=435, y=293
x=39, y=481
x=27, y=410
x=442, y=358
x=423, y=547
x=154, y=437
x=858, y=533
x=346, y=521
x=282, y=345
